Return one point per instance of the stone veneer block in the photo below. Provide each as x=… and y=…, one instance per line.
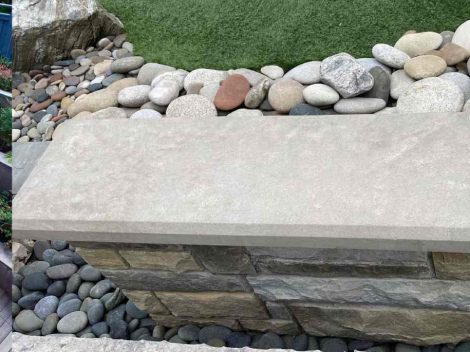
x=224, y=260
x=147, y=301
x=282, y=327
x=278, y=311
x=435, y=294
x=414, y=326
x=452, y=266
x=356, y=181
x=171, y=321
x=147, y=280
x=213, y=304
x=340, y=262
x=177, y=261
x=102, y=258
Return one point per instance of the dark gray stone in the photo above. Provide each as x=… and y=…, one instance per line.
x=238, y=339
x=463, y=347
x=35, y=267
x=96, y=312
x=114, y=299
x=89, y=273
x=63, y=271
x=68, y=307
x=300, y=343
x=100, y=328
x=213, y=332
x=84, y=289
x=269, y=340
x=333, y=345
x=189, y=333
x=118, y=330
x=73, y=284
x=50, y=324
x=403, y=347
x=224, y=259
x=57, y=288
x=134, y=312
x=305, y=109
x=46, y=306
x=67, y=297
x=112, y=78
x=30, y=300
x=40, y=246
x=36, y=282
x=381, y=88
x=102, y=287
x=360, y=345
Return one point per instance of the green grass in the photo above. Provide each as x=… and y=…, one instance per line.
x=5, y=216
x=251, y=33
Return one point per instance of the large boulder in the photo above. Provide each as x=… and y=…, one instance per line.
x=45, y=31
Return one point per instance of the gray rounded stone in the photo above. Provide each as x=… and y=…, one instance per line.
x=127, y=64
x=59, y=245
x=306, y=73
x=89, y=273
x=256, y=94
x=390, y=56
x=35, y=267
x=50, y=324
x=101, y=288
x=415, y=44
x=320, y=95
x=368, y=63
x=213, y=332
x=26, y=321
x=333, y=345
x=343, y=73
x=84, y=289
x=272, y=71
x=68, y=307
x=46, y=307
x=399, y=83
x=57, y=288
x=149, y=71
x=381, y=88
x=36, y=282
x=72, y=323
x=73, y=284
x=189, y=333
x=460, y=80
x=191, y=106
x=204, y=76
x=238, y=339
x=359, y=105
x=305, y=110
x=134, y=311
x=135, y=96
x=164, y=92
x=146, y=114
x=100, y=328
x=267, y=341
x=96, y=312
x=431, y=95
x=63, y=271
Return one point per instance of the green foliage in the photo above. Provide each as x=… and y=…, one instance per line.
x=5, y=129
x=191, y=34
x=5, y=216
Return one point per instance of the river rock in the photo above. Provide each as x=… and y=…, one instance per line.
x=151, y=70
x=254, y=77
x=399, y=83
x=89, y=273
x=50, y=324
x=431, y=95
x=146, y=114
x=306, y=73
x=369, y=63
x=390, y=56
x=178, y=76
x=191, y=106
x=272, y=71
x=425, y=66
x=462, y=36
x=164, y=92
x=204, y=76
x=285, y=94
x=320, y=95
x=453, y=54
x=63, y=271
x=135, y=96
x=46, y=306
x=72, y=323
x=127, y=64
x=415, y=44
x=345, y=75
x=37, y=281
x=26, y=321
x=359, y=105
x=460, y=80
x=68, y=307
x=381, y=88
x=303, y=109
x=257, y=94
x=232, y=92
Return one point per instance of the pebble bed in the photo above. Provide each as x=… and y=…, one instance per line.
x=56, y=292
x=422, y=72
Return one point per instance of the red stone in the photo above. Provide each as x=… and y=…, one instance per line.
x=40, y=106
x=232, y=93
x=55, y=77
x=58, y=96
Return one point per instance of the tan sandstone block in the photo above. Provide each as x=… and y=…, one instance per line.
x=102, y=258
x=176, y=261
x=452, y=266
x=146, y=301
x=383, y=323
x=213, y=304
x=278, y=326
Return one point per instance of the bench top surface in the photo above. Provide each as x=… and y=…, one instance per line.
x=399, y=181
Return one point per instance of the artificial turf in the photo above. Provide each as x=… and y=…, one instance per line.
x=228, y=34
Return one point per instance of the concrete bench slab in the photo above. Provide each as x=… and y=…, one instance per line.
x=398, y=182
x=24, y=343
x=26, y=155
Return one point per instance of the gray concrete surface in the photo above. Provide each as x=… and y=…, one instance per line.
x=397, y=182
x=24, y=343
x=26, y=155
